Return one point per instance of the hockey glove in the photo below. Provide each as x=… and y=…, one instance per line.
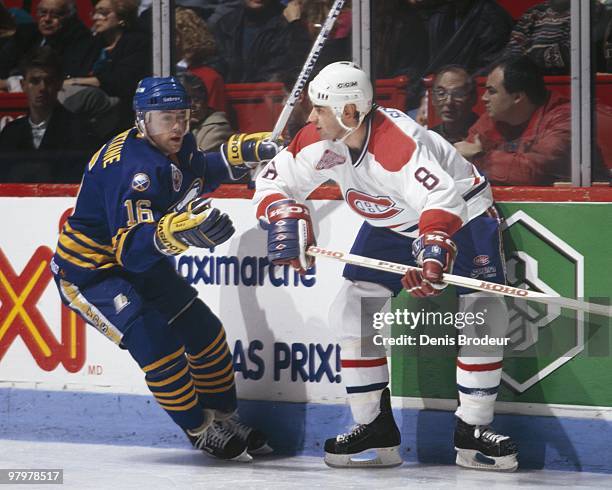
x=290, y=234
x=248, y=150
x=200, y=225
x=435, y=252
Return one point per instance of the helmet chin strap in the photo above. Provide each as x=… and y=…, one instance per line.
x=348, y=129
x=142, y=127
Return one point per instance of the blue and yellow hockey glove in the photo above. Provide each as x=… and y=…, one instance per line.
x=246, y=151
x=200, y=225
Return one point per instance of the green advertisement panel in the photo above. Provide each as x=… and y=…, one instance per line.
x=559, y=356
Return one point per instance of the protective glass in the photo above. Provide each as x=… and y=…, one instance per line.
x=166, y=121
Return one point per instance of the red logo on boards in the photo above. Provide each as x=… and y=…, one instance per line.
x=20, y=317
x=379, y=207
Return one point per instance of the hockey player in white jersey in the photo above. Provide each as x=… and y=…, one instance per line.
x=423, y=204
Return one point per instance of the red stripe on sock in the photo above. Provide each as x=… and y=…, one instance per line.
x=355, y=363
x=479, y=367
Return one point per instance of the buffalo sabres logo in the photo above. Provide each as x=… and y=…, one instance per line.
x=371, y=207
x=177, y=177
x=141, y=182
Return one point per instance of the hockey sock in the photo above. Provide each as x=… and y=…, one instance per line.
x=365, y=378
x=170, y=382
x=478, y=381
x=209, y=356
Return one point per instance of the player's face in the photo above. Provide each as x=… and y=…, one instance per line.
x=50, y=16
x=452, y=97
x=167, y=129
x=326, y=123
x=498, y=102
x=41, y=88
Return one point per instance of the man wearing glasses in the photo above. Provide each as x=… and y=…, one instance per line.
x=453, y=97
x=57, y=26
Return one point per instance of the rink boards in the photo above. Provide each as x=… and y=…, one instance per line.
x=284, y=350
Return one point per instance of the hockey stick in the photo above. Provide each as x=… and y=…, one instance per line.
x=466, y=282
x=313, y=56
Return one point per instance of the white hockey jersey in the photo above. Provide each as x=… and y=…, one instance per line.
x=406, y=178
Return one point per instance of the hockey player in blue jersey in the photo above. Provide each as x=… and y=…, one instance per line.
x=138, y=205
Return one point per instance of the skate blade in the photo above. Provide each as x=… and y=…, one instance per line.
x=386, y=457
x=261, y=451
x=475, y=460
x=243, y=457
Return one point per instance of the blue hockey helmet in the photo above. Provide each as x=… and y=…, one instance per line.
x=160, y=93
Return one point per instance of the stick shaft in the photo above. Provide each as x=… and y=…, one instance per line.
x=313, y=56
x=466, y=282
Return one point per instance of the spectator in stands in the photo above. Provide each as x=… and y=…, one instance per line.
x=209, y=10
x=454, y=96
x=196, y=49
x=59, y=27
x=524, y=138
x=257, y=42
x=400, y=40
x=471, y=33
x=313, y=13
x=211, y=128
x=543, y=34
x=8, y=28
x=123, y=59
x=47, y=131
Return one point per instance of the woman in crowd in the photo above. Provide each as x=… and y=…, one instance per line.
x=122, y=57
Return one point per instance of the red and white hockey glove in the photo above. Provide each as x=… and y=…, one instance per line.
x=290, y=233
x=435, y=252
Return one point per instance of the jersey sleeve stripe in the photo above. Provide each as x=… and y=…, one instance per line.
x=87, y=240
x=119, y=242
x=475, y=190
x=266, y=201
x=75, y=260
x=83, y=253
x=73, y=244
x=439, y=220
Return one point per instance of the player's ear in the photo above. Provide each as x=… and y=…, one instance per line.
x=350, y=113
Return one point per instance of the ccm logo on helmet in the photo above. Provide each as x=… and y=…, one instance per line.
x=347, y=85
x=379, y=207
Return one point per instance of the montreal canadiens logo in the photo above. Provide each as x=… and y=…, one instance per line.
x=481, y=260
x=372, y=207
x=141, y=182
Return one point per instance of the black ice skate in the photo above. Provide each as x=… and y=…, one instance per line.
x=220, y=443
x=257, y=442
x=381, y=435
x=481, y=448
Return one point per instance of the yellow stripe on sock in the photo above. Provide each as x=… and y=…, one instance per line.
x=164, y=360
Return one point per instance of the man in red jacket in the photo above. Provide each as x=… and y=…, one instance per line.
x=524, y=138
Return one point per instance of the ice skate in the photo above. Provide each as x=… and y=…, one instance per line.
x=481, y=448
x=256, y=440
x=215, y=440
x=381, y=436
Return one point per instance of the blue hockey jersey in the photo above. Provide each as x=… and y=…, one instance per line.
x=127, y=187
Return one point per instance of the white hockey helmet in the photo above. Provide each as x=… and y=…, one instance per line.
x=339, y=84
